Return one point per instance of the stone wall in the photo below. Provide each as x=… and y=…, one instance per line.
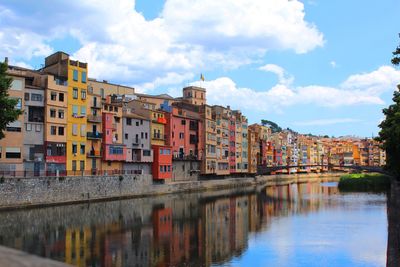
x=47, y=190
x=29, y=192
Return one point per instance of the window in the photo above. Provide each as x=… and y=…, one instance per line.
x=74, y=110
x=28, y=127
x=181, y=135
x=183, y=122
x=61, y=97
x=146, y=135
x=137, y=123
x=36, y=97
x=38, y=128
x=142, y=135
x=147, y=153
x=116, y=151
x=75, y=75
x=61, y=114
x=16, y=85
x=169, y=168
x=83, y=110
x=74, y=165
x=102, y=92
x=26, y=96
x=19, y=104
x=74, y=148
x=0, y=152
x=141, y=122
x=161, y=168
x=53, y=96
x=74, y=129
x=84, y=76
x=83, y=130
x=128, y=121
x=161, y=151
x=75, y=93
x=116, y=109
x=13, y=152
x=126, y=136
x=82, y=165
x=83, y=94
x=52, y=113
x=61, y=131
x=82, y=149
x=53, y=130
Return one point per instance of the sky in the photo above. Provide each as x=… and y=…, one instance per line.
x=315, y=66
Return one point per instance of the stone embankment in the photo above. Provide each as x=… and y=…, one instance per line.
x=46, y=191
x=15, y=258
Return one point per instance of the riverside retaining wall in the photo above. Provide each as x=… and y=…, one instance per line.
x=42, y=191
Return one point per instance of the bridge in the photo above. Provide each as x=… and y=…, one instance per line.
x=263, y=170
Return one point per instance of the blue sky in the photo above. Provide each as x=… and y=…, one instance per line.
x=315, y=66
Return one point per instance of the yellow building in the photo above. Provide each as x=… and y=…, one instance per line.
x=209, y=163
x=75, y=75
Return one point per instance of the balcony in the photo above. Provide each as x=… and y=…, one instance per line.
x=186, y=157
x=95, y=105
x=96, y=135
x=159, y=137
x=94, y=118
x=160, y=120
x=93, y=154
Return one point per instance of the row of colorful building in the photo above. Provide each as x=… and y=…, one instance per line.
x=72, y=125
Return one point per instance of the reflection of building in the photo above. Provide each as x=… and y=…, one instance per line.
x=177, y=232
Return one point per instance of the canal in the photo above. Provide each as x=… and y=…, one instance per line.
x=309, y=224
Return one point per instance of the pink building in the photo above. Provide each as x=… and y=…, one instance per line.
x=183, y=131
x=113, y=149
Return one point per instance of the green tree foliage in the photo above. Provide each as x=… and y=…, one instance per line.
x=396, y=56
x=8, y=112
x=274, y=127
x=390, y=128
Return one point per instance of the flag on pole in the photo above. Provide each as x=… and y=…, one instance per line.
x=202, y=77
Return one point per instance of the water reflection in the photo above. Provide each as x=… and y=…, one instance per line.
x=192, y=230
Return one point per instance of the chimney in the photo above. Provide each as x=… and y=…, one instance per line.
x=6, y=60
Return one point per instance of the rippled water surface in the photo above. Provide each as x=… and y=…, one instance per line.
x=296, y=225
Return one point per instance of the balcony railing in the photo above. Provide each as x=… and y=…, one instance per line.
x=94, y=135
x=93, y=154
x=94, y=118
x=185, y=157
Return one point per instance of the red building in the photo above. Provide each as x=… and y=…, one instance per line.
x=183, y=131
x=162, y=164
x=162, y=223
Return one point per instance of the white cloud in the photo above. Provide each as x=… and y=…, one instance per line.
x=322, y=122
x=333, y=64
x=358, y=89
x=188, y=36
x=283, y=77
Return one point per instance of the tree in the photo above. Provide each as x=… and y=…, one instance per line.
x=274, y=127
x=8, y=111
x=389, y=134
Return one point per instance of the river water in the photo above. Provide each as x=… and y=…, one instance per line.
x=295, y=225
